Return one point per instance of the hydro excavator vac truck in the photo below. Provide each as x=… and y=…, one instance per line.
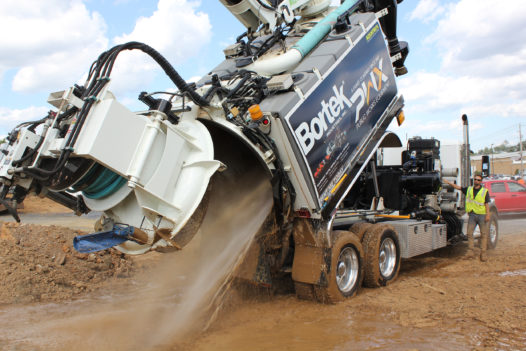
x=301, y=104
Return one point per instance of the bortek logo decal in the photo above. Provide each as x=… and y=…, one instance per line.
x=337, y=106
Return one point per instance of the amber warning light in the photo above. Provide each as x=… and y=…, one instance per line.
x=255, y=112
x=400, y=118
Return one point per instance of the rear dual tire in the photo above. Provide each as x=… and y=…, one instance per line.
x=382, y=255
x=373, y=262
x=344, y=275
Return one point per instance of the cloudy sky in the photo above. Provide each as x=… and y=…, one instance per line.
x=467, y=56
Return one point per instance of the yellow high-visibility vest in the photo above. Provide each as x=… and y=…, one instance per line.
x=476, y=204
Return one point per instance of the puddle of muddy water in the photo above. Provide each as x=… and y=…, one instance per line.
x=373, y=334
x=285, y=323
x=60, y=327
x=513, y=273
x=298, y=327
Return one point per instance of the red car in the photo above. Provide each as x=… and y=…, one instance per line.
x=509, y=195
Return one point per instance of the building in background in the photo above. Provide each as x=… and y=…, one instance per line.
x=508, y=163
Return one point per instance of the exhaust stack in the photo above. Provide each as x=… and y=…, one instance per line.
x=466, y=161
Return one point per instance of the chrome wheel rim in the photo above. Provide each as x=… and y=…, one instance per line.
x=347, y=269
x=387, y=257
x=492, y=232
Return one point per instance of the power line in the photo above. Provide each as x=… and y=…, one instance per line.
x=496, y=132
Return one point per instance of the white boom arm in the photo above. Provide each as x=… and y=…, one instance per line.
x=253, y=13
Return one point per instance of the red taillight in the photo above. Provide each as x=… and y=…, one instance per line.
x=303, y=213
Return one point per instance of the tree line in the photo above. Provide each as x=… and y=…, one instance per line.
x=504, y=147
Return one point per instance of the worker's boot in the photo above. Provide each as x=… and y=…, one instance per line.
x=471, y=243
x=470, y=253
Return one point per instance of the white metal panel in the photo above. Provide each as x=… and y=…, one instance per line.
x=26, y=140
x=110, y=135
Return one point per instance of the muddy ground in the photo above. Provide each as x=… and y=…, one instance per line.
x=440, y=301
x=39, y=264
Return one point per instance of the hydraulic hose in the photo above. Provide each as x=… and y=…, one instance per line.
x=98, y=78
x=18, y=162
x=322, y=28
x=169, y=70
x=282, y=63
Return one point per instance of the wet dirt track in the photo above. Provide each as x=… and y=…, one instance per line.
x=439, y=302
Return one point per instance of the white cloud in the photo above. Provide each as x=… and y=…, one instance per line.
x=448, y=132
x=2, y=72
x=483, y=62
x=51, y=43
x=194, y=79
x=433, y=92
x=11, y=117
x=479, y=37
x=498, y=109
x=57, y=40
x=426, y=10
x=175, y=29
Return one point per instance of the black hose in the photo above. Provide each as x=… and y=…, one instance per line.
x=68, y=113
x=43, y=174
x=27, y=156
x=98, y=77
x=267, y=44
x=241, y=36
x=268, y=7
x=165, y=65
x=238, y=86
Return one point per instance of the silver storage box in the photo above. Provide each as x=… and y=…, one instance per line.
x=416, y=237
x=439, y=236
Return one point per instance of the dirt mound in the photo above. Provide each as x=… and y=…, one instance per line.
x=38, y=263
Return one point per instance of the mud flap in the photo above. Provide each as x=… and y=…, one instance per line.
x=310, y=265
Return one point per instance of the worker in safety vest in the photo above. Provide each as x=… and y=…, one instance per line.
x=477, y=208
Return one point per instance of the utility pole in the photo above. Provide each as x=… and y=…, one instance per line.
x=520, y=148
x=492, y=161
